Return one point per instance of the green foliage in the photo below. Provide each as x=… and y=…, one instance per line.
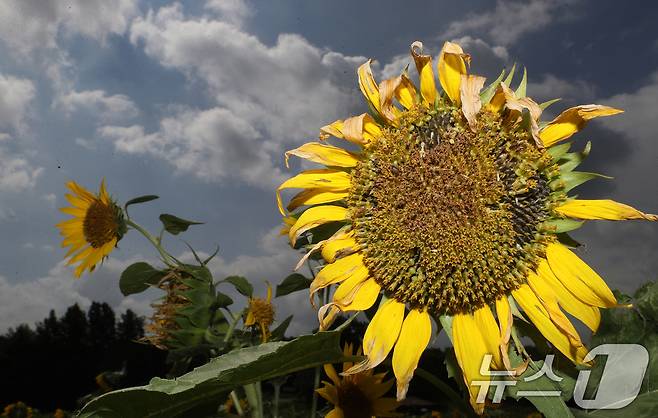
x=292, y=283
x=488, y=93
x=241, y=284
x=138, y=277
x=175, y=225
x=174, y=398
x=141, y=199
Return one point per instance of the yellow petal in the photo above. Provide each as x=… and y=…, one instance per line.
x=517, y=106
x=331, y=373
x=364, y=297
x=311, y=197
x=451, y=66
x=414, y=337
x=340, y=270
x=335, y=413
x=80, y=191
x=324, y=179
x=316, y=216
x=368, y=85
x=359, y=130
x=534, y=309
x=470, y=350
x=406, y=92
x=578, y=277
x=573, y=120
x=387, y=90
x=602, y=209
x=497, y=102
x=587, y=314
x=324, y=154
x=425, y=73
x=346, y=291
x=469, y=92
x=381, y=335
x=338, y=247
x=548, y=298
x=504, y=314
x=490, y=332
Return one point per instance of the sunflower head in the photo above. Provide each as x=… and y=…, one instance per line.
x=260, y=314
x=17, y=410
x=357, y=395
x=97, y=226
x=452, y=205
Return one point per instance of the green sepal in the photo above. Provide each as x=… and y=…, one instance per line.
x=570, y=179
x=488, y=93
x=571, y=160
x=557, y=226
x=558, y=151
x=521, y=89
x=546, y=104
x=510, y=76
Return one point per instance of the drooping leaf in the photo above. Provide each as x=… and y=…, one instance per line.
x=223, y=300
x=292, y=283
x=138, y=277
x=141, y=199
x=163, y=398
x=175, y=225
x=241, y=284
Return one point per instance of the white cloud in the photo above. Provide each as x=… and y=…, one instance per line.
x=16, y=94
x=551, y=87
x=511, y=20
x=16, y=173
x=266, y=98
x=114, y=107
x=234, y=11
x=27, y=25
x=30, y=301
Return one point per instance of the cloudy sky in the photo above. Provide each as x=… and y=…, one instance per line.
x=197, y=101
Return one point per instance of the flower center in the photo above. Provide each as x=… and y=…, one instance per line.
x=263, y=311
x=353, y=402
x=100, y=224
x=449, y=218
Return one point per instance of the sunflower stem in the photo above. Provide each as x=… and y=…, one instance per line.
x=236, y=403
x=166, y=257
x=252, y=397
x=453, y=397
x=234, y=322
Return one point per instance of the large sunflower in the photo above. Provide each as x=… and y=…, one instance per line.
x=452, y=205
x=97, y=225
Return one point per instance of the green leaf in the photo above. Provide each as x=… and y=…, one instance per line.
x=141, y=199
x=279, y=332
x=138, y=277
x=222, y=300
x=241, y=285
x=550, y=406
x=644, y=406
x=557, y=226
x=488, y=93
x=175, y=225
x=163, y=398
x=647, y=301
x=521, y=90
x=292, y=283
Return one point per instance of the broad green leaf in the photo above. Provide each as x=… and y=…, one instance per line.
x=488, y=93
x=141, y=199
x=175, y=225
x=241, y=285
x=292, y=283
x=557, y=226
x=163, y=398
x=222, y=300
x=138, y=277
x=644, y=406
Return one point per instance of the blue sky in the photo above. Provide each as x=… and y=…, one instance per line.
x=197, y=101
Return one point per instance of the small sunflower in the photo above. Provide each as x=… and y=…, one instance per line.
x=97, y=225
x=260, y=313
x=452, y=205
x=357, y=395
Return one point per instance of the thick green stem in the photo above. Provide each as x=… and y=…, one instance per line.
x=252, y=397
x=234, y=322
x=166, y=257
x=277, y=395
